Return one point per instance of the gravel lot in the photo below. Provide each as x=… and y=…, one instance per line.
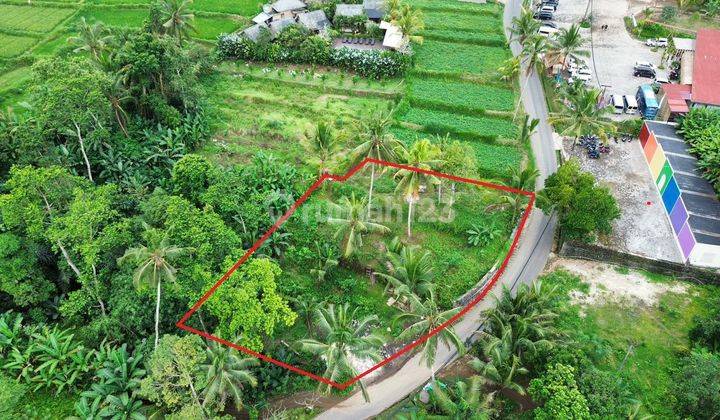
x=643, y=228
x=613, y=51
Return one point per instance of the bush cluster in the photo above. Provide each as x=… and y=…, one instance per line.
x=302, y=48
x=701, y=129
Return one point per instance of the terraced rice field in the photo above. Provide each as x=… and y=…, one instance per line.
x=457, y=91
x=13, y=45
x=32, y=18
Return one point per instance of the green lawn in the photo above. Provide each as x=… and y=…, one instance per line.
x=238, y=7
x=463, y=22
x=36, y=18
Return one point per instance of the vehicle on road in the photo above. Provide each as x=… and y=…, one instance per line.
x=540, y=15
x=631, y=105
x=647, y=102
x=643, y=71
x=659, y=42
x=547, y=30
x=618, y=104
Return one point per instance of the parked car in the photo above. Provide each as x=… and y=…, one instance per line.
x=554, y=3
x=549, y=5
x=644, y=64
x=659, y=42
x=631, y=105
x=583, y=70
x=661, y=78
x=584, y=77
x=618, y=104
x=644, y=71
x=543, y=15
x=546, y=8
x=547, y=30
x=552, y=25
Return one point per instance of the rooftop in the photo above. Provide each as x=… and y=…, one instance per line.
x=706, y=68
x=315, y=20
x=254, y=32
x=288, y=5
x=349, y=10
x=277, y=26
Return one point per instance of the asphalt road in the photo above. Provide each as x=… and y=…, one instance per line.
x=529, y=260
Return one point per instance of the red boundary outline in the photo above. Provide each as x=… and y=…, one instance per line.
x=291, y=210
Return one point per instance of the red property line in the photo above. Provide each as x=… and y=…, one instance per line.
x=300, y=201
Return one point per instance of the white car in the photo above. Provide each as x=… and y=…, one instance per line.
x=644, y=64
x=584, y=77
x=583, y=70
x=547, y=30
x=660, y=42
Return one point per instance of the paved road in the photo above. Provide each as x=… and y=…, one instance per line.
x=529, y=260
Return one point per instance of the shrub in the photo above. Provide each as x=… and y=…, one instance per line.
x=701, y=128
x=668, y=13
x=696, y=386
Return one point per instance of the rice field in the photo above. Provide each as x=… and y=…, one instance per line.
x=13, y=45
x=435, y=121
x=467, y=96
x=458, y=21
x=32, y=18
x=455, y=58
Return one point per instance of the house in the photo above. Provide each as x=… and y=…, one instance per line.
x=349, y=10
x=262, y=18
x=674, y=101
x=254, y=32
x=706, y=69
x=283, y=9
x=394, y=38
x=315, y=21
x=277, y=26
x=374, y=9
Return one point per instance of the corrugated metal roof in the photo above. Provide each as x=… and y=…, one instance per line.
x=706, y=69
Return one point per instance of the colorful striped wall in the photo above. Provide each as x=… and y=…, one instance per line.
x=669, y=190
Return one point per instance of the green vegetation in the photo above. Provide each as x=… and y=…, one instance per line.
x=701, y=129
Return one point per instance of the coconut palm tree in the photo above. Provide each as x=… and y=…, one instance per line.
x=524, y=27
x=118, y=95
x=581, y=115
x=375, y=143
x=463, y=401
x=393, y=9
x=423, y=317
x=412, y=272
x=510, y=69
x=410, y=21
x=177, y=18
x=570, y=43
x=353, y=223
x=501, y=365
x=323, y=145
x=227, y=374
x=523, y=179
x=422, y=155
x=94, y=38
x=534, y=49
x=342, y=338
x=153, y=266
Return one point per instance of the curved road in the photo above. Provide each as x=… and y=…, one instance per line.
x=530, y=258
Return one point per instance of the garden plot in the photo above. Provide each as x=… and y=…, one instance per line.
x=442, y=122
x=492, y=39
x=460, y=96
x=467, y=22
x=457, y=59
x=13, y=45
x=456, y=6
x=32, y=18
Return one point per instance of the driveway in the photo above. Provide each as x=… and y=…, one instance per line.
x=528, y=262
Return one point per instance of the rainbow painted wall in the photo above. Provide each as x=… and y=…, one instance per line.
x=669, y=190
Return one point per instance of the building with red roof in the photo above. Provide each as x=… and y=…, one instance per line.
x=706, y=68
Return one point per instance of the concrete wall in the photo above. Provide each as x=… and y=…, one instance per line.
x=605, y=255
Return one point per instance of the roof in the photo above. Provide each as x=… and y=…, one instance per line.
x=253, y=32
x=277, y=26
x=701, y=206
x=374, y=9
x=686, y=68
x=261, y=18
x=394, y=37
x=677, y=96
x=315, y=20
x=349, y=10
x=288, y=5
x=684, y=44
x=706, y=68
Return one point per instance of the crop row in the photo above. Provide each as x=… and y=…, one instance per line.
x=236, y=7
x=441, y=122
x=12, y=45
x=32, y=18
x=467, y=22
x=489, y=39
x=457, y=7
x=468, y=97
x=454, y=58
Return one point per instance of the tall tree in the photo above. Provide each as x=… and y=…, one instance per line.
x=227, y=374
x=93, y=38
x=465, y=400
x=343, y=337
x=570, y=43
x=153, y=265
x=375, y=143
x=524, y=27
x=412, y=272
x=423, y=317
x=534, y=49
x=422, y=155
x=322, y=143
x=581, y=115
x=177, y=18
x=352, y=223
x=410, y=21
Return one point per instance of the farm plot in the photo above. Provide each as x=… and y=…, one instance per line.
x=33, y=18
x=456, y=6
x=237, y=7
x=12, y=45
x=467, y=37
x=126, y=18
x=442, y=122
x=452, y=58
x=474, y=23
x=460, y=96
x=210, y=27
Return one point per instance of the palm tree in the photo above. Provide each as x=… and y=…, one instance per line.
x=306, y=306
x=422, y=155
x=353, y=223
x=226, y=373
x=524, y=27
x=523, y=179
x=464, y=401
x=94, y=38
x=323, y=145
x=410, y=21
x=425, y=317
x=533, y=51
x=343, y=338
x=153, y=266
x=570, y=43
x=412, y=272
x=375, y=143
x=118, y=95
x=582, y=116
x=510, y=69
x=502, y=365
x=393, y=9
x=176, y=18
